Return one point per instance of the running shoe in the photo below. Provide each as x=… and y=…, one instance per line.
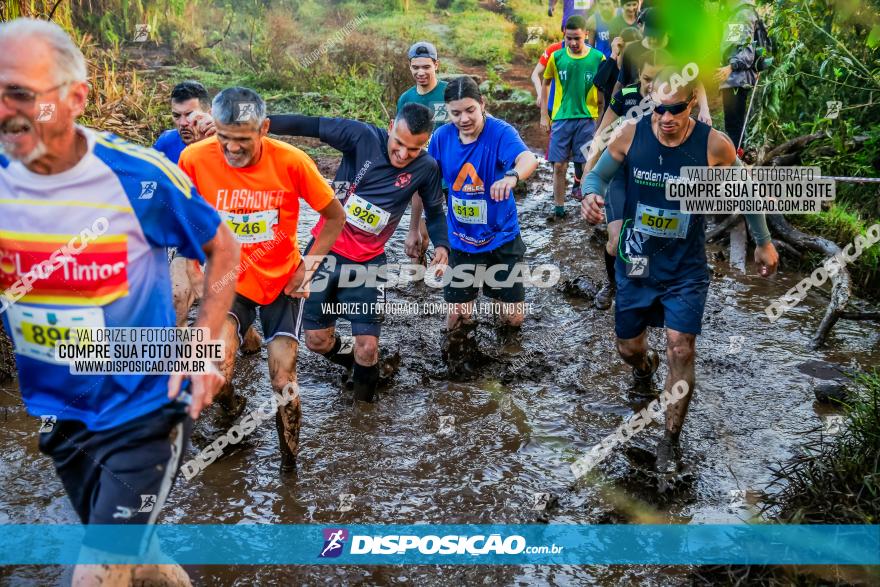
x=668, y=454
x=557, y=214
x=605, y=296
x=643, y=383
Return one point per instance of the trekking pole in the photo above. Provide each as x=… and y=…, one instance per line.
x=748, y=110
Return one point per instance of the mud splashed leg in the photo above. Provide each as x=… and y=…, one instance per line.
x=288, y=421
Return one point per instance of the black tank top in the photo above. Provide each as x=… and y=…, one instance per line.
x=653, y=226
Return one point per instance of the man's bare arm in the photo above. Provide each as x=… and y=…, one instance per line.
x=721, y=153
x=608, y=119
x=222, y=254
x=538, y=81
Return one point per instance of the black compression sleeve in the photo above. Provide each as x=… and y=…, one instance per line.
x=435, y=222
x=294, y=125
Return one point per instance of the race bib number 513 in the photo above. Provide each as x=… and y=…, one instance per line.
x=469, y=211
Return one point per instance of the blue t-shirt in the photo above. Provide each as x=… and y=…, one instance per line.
x=477, y=223
x=170, y=143
x=135, y=203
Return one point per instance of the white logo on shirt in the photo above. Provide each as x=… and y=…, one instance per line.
x=148, y=188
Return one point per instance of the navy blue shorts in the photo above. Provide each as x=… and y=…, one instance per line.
x=329, y=300
x=277, y=319
x=567, y=137
x=615, y=196
x=122, y=475
x=647, y=302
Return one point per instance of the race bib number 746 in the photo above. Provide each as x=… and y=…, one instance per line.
x=255, y=227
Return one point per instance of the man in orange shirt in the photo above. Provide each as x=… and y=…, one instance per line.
x=255, y=183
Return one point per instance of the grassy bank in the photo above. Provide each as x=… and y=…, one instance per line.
x=841, y=224
x=827, y=51
x=836, y=480
x=337, y=58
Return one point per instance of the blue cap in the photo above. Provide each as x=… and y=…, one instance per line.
x=423, y=49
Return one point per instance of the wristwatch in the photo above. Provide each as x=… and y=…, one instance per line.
x=512, y=173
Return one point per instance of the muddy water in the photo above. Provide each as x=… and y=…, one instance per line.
x=515, y=430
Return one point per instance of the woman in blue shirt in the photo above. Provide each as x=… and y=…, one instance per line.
x=481, y=159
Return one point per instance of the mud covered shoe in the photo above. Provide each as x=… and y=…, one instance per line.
x=557, y=215
x=458, y=342
x=232, y=406
x=461, y=352
x=509, y=335
x=576, y=193
x=605, y=296
x=216, y=421
x=668, y=455
x=389, y=365
x=643, y=383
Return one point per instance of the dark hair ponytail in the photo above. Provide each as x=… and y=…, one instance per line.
x=462, y=87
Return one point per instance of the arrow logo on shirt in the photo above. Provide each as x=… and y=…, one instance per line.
x=468, y=172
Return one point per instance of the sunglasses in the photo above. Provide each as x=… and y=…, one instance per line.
x=674, y=109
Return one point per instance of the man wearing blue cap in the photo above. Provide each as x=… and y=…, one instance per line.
x=428, y=91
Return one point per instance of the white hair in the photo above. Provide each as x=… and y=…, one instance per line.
x=238, y=106
x=70, y=64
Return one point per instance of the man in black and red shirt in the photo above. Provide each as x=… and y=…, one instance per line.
x=379, y=173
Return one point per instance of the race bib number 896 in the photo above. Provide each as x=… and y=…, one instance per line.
x=35, y=330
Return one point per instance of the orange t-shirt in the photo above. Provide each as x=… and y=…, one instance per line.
x=260, y=204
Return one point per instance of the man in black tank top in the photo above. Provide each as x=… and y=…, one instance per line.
x=662, y=277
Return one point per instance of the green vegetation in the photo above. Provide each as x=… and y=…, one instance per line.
x=480, y=36
x=346, y=58
x=322, y=58
x=836, y=480
x=827, y=51
x=841, y=224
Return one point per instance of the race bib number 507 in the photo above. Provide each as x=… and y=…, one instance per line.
x=661, y=222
